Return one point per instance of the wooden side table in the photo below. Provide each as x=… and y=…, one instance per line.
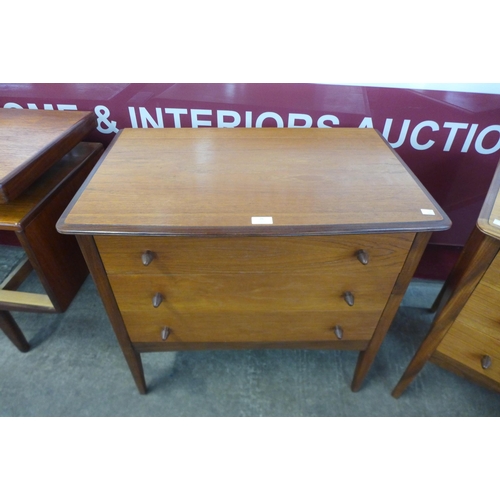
x=251, y=238
x=44, y=146
x=465, y=335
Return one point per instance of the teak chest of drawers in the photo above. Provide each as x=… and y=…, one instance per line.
x=251, y=238
x=465, y=335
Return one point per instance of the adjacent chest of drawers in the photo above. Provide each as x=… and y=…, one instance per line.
x=251, y=238
x=465, y=335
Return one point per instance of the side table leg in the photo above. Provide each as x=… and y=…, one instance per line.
x=474, y=260
x=13, y=332
x=96, y=267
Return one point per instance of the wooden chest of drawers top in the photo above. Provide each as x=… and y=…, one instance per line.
x=251, y=182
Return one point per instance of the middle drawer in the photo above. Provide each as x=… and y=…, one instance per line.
x=250, y=292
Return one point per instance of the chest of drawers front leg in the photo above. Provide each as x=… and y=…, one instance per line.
x=96, y=268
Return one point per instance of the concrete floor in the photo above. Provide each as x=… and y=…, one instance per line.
x=76, y=368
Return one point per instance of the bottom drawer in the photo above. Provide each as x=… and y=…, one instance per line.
x=469, y=347
x=251, y=327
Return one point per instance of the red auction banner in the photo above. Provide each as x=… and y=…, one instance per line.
x=449, y=135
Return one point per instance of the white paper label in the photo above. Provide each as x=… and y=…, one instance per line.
x=426, y=211
x=496, y=222
x=262, y=220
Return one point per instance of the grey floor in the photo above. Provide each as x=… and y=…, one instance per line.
x=76, y=368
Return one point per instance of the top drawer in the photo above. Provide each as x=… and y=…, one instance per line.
x=305, y=254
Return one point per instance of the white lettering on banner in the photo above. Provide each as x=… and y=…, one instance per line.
x=45, y=106
x=327, y=118
x=69, y=107
x=133, y=117
x=485, y=141
x=305, y=119
x=414, y=135
x=50, y=107
x=366, y=123
x=453, y=126
x=221, y=123
x=195, y=120
x=277, y=118
x=402, y=134
x=469, y=138
x=102, y=113
x=147, y=118
x=177, y=112
x=482, y=135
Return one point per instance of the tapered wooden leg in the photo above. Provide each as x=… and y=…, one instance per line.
x=476, y=257
x=367, y=356
x=100, y=278
x=13, y=332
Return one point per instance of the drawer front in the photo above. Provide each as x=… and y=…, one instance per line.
x=180, y=255
x=481, y=312
x=248, y=292
x=223, y=326
x=249, y=307
x=468, y=347
x=253, y=289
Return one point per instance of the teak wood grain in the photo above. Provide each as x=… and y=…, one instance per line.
x=250, y=327
x=98, y=273
x=461, y=369
x=213, y=181
x=42, y=164
x=13, y=332
x=56, y=258
x=478, y=253
x=188, y=197
x=367, y=356
x=314, y=254
x=17, y=214
x=466, y=326
x=32, y=140
x=469, y=349
x=252, y=292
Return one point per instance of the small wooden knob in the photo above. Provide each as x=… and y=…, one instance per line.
x=485, y=362
x=363, y=257
x=165, y=332
x=147, y=257
x=338, y=331
x=157, y=299
x=349, y=298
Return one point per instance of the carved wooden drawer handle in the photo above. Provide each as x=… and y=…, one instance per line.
x=147, y=257
x=349, y=298
x=157, y=299
x=338, y=331
x=485, y=362
x=363, y=257
x=165, y=332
